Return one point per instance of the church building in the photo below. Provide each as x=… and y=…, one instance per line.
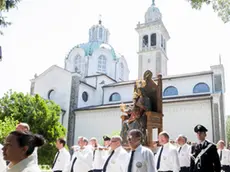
x=95, y=81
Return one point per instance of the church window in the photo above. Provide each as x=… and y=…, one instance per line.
x=115, y=97
x=101, y=67
x=170, y=91
x=201, y=88
x=164, y=44
x=51, y=94
x=85, y=96
x=162, y=41
x=153, y=39
x=100, y=33
x=79, y=64
x=121, y=70
x=145, y=41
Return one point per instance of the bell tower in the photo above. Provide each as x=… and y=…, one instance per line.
x=153, y=38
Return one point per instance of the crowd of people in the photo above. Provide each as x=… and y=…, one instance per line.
x=20, y=153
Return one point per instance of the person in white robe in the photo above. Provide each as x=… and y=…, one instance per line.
x=82, y=158
x=184, y=153
x=141, y=159
x=166, y=158
x=18, y=151
x=118, y=157
x=62, y=158
x=224, y=155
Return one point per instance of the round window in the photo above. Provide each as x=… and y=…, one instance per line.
x=85, y=96
x=51, y=94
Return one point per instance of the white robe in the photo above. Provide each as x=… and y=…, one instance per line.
x=84, y=160
x=143, y=160
x=2, y=161
x=26, y=165
x=118, y=161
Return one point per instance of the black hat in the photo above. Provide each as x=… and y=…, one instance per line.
x=200, y=128
x=106, y=138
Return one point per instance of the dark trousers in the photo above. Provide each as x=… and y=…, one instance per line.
x=184, y=169
x=225, y=168
x=95, y=170
x=58, y=171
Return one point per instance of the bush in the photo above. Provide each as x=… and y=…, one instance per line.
x=42, y=116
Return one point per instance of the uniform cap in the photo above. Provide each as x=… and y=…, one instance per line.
x=200, y=128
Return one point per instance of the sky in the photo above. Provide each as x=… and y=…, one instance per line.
x=44, y=31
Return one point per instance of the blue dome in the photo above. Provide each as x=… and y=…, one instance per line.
x=153, y=14
x=90, y=47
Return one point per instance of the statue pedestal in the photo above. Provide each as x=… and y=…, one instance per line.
x=154, y=121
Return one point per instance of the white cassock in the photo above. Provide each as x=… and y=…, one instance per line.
x=225, y=157
x=118, y=161
x=2, y=161
x=82, y=160
x=184, y=155
x=169, y=160
x=26, y=165
x=143, y=160
x=62, y=160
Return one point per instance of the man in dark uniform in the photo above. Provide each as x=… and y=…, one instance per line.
x=204, y=156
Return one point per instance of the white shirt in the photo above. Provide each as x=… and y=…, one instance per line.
x=63, y=160
x=83, y=162
x=99, y=158
x=225, y=156
x=169, y=158
x=26, y=165
x=118, y=161
x=2, y=161
x=143, y=160
x=35, y=155
x=184, y=155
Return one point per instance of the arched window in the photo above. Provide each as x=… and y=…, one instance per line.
x=162, y=41
x=201, y=88
x=115, y=97
x=145, y=41
x=79, y=64
x=170, y=91
x=153, y=39
x=122, y=71
x=100, y=33
x=101, y=67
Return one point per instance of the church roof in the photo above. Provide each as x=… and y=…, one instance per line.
x=91, y=46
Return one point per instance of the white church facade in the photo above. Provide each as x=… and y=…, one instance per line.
x=95, y=81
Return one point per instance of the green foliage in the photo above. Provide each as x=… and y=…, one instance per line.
x=42, y=116
x=228, y=129
x=115, y=133
x=5, y=6
x=6, y=126
x=221, y=7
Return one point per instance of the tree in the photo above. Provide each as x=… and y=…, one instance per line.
x=221, y=7
x=6, y=5
x=42, y=116
x=6, y=126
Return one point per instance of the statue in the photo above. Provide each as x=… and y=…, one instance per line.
x=144, y=100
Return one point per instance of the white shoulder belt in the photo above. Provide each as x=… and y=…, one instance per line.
x=201, y=153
